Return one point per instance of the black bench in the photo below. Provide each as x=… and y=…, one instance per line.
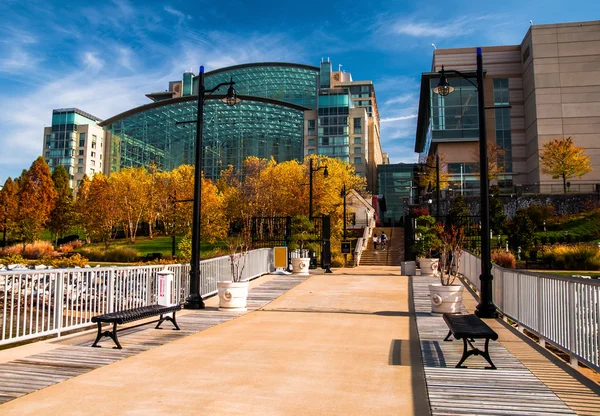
x=469, y=328
x=129, y=315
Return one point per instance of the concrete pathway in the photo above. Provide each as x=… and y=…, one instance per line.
x=337, y=344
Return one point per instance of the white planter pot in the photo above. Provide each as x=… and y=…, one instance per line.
x=233, y=296
x=429, y=267
x=445, y=299
x=300, y=265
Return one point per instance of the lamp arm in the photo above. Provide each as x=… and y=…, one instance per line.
x=222, y=84
x=454, y=71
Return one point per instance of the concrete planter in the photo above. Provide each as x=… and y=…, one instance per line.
x=300, y=265
x=445, y=299
x=429, y=267
x=232, y=296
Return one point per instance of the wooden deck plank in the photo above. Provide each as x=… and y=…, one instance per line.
x=512, y=389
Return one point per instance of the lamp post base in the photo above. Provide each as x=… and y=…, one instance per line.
x=486, y=310
x=194, y=302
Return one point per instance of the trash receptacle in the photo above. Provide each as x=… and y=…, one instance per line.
x=408, y=268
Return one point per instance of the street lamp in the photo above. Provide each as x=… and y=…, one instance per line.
x=194, y=300
x=310, y=192
x=486, y=307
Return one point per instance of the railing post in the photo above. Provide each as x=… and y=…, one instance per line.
x=111, y=291
x=571, y=320
x=519, y=326
x=540, y=311
x=59, y=302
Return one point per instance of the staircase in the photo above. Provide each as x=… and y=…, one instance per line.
x=392, y=255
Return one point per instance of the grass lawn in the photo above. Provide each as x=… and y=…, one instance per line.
x=160, y=244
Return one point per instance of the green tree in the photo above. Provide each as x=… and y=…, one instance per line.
x=458, y=213
x=562, y=159
x=522, y=231
x=497, y=215
x=8, y=208
x=36, y=200
x=62, y=216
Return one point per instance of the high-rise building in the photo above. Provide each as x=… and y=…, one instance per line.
x=75, y=141
x=546, y=87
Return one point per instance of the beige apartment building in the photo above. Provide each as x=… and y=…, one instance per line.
x=75, y=141
x=544, y=88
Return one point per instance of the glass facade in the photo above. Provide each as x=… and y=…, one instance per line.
x=503, y=135
x=288, y=83
x=334, y=139
x=163, y=135
x=454, y=116
x=463, y=178
x=397, y=184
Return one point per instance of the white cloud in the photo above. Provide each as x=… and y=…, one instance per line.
x=125, y=57
x=390, y=119
x=433, y=29
x=92, y=61
x=400, y=99
x=179, y=14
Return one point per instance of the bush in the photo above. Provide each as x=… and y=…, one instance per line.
x=503, y=259
x=38, y=249
x=67, y=239
x=574, y=257
x=68, y=247
x=419, y=212
x=538, y=214
x=93, y=254
x=121, y=255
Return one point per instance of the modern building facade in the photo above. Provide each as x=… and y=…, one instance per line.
x=398, y=186
x=76, y=141
x=288, y=111
x=546, y=87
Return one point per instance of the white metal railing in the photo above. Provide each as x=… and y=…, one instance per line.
x=37, y=303
x=562, y=310
x=362, y=242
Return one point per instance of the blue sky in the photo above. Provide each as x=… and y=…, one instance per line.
x=102, y=57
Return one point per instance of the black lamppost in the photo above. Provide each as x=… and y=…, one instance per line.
x=310, y=184
x=194, y=300
x=343, y=195
x=486, y=307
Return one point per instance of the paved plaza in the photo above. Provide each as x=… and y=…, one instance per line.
x=356, y=342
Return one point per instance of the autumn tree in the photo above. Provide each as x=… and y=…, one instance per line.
x=562, y=159
x=36, y=199
x=8, y=208
x=96, y=209
x=62, y=216
x=130, y=188
x=494, y=161
x=429, y=175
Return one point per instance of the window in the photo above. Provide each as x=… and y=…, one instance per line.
x=312, y=127
x=92, y=162
x=81, y=152
x=311, y=142
x=311, y=151
x=357, y=126
x=357, y=150
x=80, y=169
x=92, y=171
x=93, y=154
x=94, y=141
x=81, y=139
x=48, y=154
x=357, y=140
x=78, y=183
x=357, y=160
x=80, y=161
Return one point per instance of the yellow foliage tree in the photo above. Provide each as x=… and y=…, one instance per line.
x=131, y=189
x=96, y=209
x=562, y=159
x=429, y=176
x=494, y=153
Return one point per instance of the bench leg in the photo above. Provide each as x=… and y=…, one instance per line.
x=168, y=318
x=111, y=334
x=448, y=336
x=475, y=351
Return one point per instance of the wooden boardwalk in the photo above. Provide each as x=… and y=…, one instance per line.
x=26, y=375
x=510, y=390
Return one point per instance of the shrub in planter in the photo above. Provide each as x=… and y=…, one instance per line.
x=504, y=259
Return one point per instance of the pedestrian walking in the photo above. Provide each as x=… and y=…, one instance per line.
x=375, y=241
x=383, y=239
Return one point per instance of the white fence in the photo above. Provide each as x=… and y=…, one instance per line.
x=564, y=311
x=37, y=303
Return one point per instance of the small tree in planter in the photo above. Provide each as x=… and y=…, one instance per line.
x=304, y=238
x=446, y=297
x=233, y=294
x=427, y=240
